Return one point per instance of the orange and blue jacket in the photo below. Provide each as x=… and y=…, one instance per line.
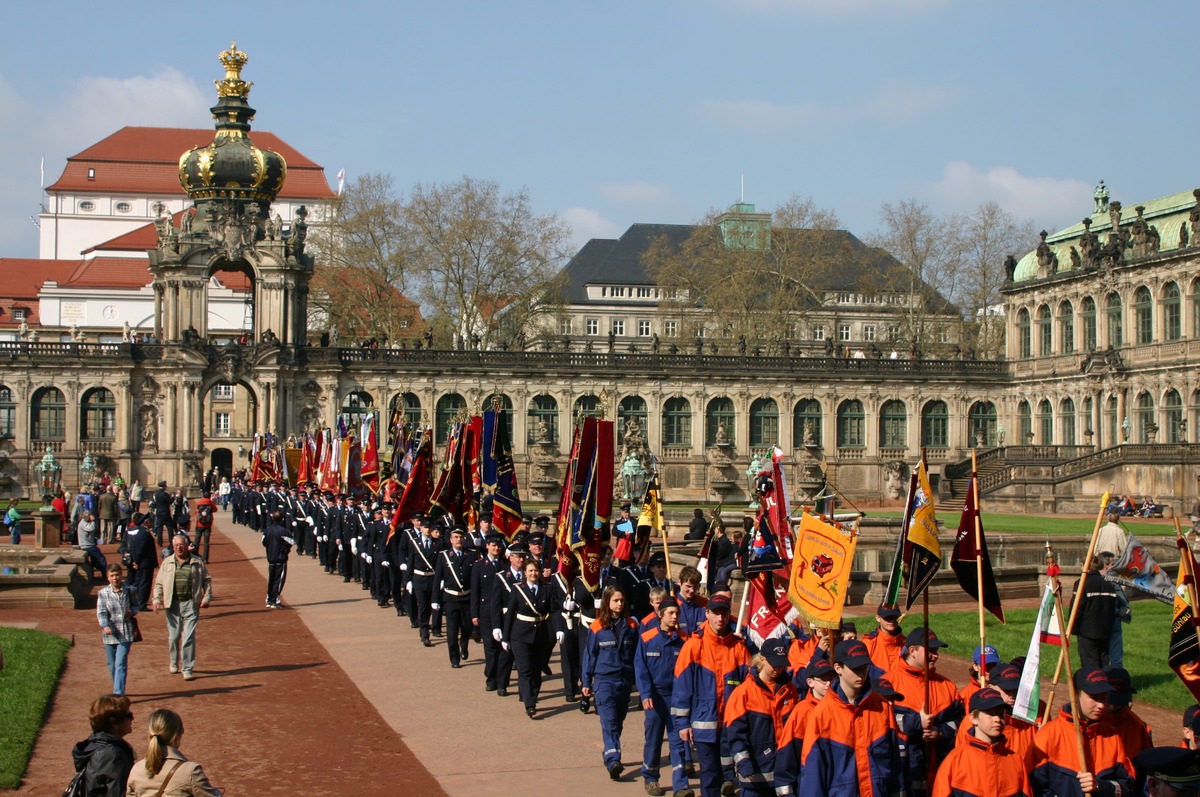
x=754, y=720
x=1135, y=733
x=692, y=614
x=791, y=745
x=976, y=768
x=800, y=652
x=654, y=666
x=944, y=706
x=709, y=668
x=851, y=749
x=1054, y=760
x=884, y=649
x=609, y=652
x=1018, y=734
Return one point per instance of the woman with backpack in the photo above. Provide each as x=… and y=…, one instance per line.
x=12, y=519
x=181, y=511
x=104, y=759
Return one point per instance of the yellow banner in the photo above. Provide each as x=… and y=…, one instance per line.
x=821, y=570
x=922, y=528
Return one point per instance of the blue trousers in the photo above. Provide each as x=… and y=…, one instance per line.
x=716, y=766
x=612, y=705
x=658, y=721
x=118, y=657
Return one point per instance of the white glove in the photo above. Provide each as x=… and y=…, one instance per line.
x=558, y=636
x=597, y=603
x=408, y=587
x=293, y=523
x=386, y=564
x=497, y=635
x=403, y=566
x=569, y=605
x=339, y=545
x=504, y=645
x=354, y=544
x=310, y=520
x=436, y=607
x=370, y=561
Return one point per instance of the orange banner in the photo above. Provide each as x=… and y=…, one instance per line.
x=821, y=570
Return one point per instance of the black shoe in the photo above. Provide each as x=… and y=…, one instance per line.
x=426, y=643
x=584, y=704
x=436, y=633
x=345, y=579
x=415, y=626
x=490, y=688
x=502, y=692
x=572, y=698
x=614, y=772
x=454, y=665
x=728, y=789
x=530, y=711
x=546, y=671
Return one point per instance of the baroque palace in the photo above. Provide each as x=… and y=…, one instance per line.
x=169, y=377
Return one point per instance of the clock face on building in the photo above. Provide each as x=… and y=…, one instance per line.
x=110, y=312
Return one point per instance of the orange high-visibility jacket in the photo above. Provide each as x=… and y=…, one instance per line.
x=1055, y=759
x=754, y=720
x=975, y=768
x=709, y=668
x=851, y=749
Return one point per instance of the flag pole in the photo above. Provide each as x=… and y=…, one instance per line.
x=1186, y=561
x=979, y=567
x=930, y=746
x=1073, y=696
x=1078, y=596
x=737, y=628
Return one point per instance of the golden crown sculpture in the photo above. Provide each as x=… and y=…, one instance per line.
x=233, y=85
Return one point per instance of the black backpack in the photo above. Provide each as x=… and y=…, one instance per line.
x=204, y=515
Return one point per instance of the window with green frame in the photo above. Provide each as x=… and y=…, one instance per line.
x=764, y=423
x=935, y=425
x=542, y=409
x=851, y=425
x=1172, y=312
x=448, y=406
x=806, y=416
x=1066, y=327
x=677, y=423
x=1143, y=314
x=719, y=409
x=893, y=425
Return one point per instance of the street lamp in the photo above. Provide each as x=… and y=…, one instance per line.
x=86, y=469
x=48, y=471
x=752, y=472
x=1000, y=434
x=633, y=477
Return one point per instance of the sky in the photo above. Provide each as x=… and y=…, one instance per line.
x=659, y=111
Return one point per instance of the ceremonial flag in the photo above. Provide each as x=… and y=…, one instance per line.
x=255, y=468
x=768, y=610
x=922, y=552
x=650, y=521
x=341, y=177
x=418, y=487
x=448, y=491
x=891, y=593
x=590, y=482
x=370, y=455
x=506, y=498
x=771, y=543
x=304, y=473
x=354, y=463
x=1183, y=656
x=1045, y=631
x=562, y=531
x=968, y=558
x=821, y=570
x=1136, y=568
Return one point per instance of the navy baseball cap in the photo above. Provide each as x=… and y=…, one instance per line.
x=1007, y=678
x=987, y=699
x=851, y=653
x=888, y=612
x=718, y=602
x=1093, y=681
x=775, y=651
x=818, y=668
x=916, y=638
x=883, y=687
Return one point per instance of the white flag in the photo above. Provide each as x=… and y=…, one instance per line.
x=341, y=180
x=1046, y=629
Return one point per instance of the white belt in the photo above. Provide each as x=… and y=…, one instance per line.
x=422, y=572
x=532, y=619
x=456, y=593
x=586, y=619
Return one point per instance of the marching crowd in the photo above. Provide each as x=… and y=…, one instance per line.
x=816, y=714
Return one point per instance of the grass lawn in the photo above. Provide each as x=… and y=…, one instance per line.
x=33, y=661
x=1145, y=646
x=1043, y=526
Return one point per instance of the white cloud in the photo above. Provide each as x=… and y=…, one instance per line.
x=964, y=185
x=893, y=102
x=57, y=126
x=636, y=191
x=587, y=224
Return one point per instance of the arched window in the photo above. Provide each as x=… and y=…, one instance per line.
x=851, y=425
x=99, y=415
x=1025, y=423
x=720, y=411
x=1172, y=315
x=1045, y=423
x=48, y=414
x=1196, y=308
x=542, y=420
x=806, y=422
x=1173, y=415
x=1143, y=314
x=1066, y=421
x=1045, y=332
x=893, y=425
x=1066, y=327
x=1144, y=417
x=1112, y=311
x=631, y=408
x=1086, y=415
x=1089, y=324
x=935, y=425
x=1111, y=421
x=677, y=423
x=410, y=406
x=355, y=405
x=506, y=413
x=764, y=423
x=8, y=412
x=981, y=422
x=587, y=406
x=448, y=406
x=1024, y=335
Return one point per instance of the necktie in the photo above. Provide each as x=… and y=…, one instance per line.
x=533, y=589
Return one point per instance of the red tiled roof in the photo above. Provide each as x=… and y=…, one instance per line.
x=138, y=240
x=23, y=277
x=110, y=272
x=145, y=160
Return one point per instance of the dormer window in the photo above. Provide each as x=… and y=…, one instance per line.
x=124, y=207
x=18, y=313
x=91, y=174
x=87, y=206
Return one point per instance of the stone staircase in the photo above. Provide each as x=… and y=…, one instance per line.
x=954, y=490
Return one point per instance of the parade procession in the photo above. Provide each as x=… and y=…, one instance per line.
x=738, y=657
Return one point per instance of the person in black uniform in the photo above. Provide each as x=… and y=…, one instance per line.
x=411, y=536
x=422, y=554
x=324, y=518
x=381, y=576
x=160, y=503
x=537, y=548
x=531, y=626
x=568, y=650
x=502, y=587
x=476, y=539
x=392, y=559
x=452, y=582
x=483, y=576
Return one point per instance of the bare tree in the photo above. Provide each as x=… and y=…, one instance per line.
x=990, y=234
x=486, y=264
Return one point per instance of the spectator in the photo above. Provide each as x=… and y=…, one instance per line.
x=160, y=505
x=206, y=510
x=106, y=511
x=164, y=766
x=1111, y=537
x=89, y=544
x=141, y=555
x=183, y=587
x=116, y=606
x=12, y=519
x=135, y=495
x=105, y=757
x=124, y=513
x=698, y=527
x=59, y=504
x=223, y=493
x=1097, y=610
x=181, y=511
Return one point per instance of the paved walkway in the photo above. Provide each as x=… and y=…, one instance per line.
x=336, y=696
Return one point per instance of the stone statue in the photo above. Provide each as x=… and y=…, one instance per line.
x=1194, y=218
x=654, y=343
x=722, y=436
x=1088, y=244
x=149, y=428
x=1183, y=236
x=893, y=479
x=126, y=332
x=23, y=330
x=633, y=438
x=1139, y=233
x=300, y=230
x=185, y=223
x=74, y=332
x=1101, y=197
x=1047, y=260
x=809, y=438
x=612, y=341
x=274, y=226
x=1076, y=262
x=543, y=431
